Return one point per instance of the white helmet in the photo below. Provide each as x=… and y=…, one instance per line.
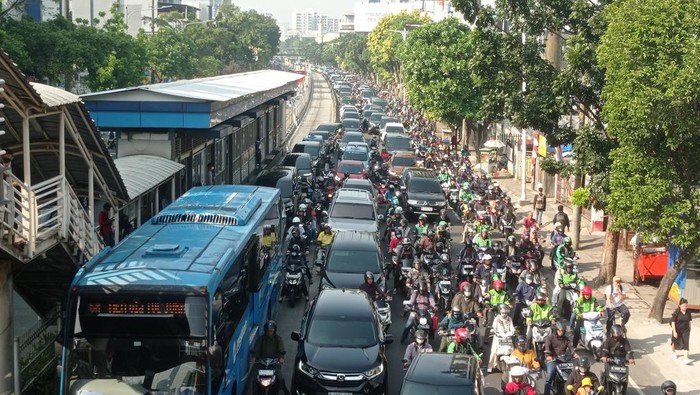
x=399, y=210
x=518, y=371
x=486, y=257
x=296, y=221
x=302, y=207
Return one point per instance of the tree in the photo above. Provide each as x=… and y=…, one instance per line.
x=435, y=68
x=652, y=95
x=384, y=42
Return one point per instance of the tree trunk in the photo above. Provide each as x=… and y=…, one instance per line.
x=576, y=227
x=608, y=262
x=465, y=133
x=657, y=307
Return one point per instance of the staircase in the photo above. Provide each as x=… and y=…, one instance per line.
x=48, y=235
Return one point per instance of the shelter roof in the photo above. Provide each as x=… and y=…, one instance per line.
x=141, y=173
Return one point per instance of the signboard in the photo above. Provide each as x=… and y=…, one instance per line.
x=368, y=15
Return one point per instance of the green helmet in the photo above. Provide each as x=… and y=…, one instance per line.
x=423, y=217
x=566, y=240
x=465, y=185
x=442, y=223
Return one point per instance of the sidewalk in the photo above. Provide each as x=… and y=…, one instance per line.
x=649, y=339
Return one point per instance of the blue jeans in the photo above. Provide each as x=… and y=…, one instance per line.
x=610, y=316
x=538, y=216
x=551, y=372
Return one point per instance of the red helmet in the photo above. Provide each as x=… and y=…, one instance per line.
x=461, y=334
x=497, y=283
x=462, y=285
x=587, y=291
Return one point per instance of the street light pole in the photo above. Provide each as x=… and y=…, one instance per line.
x=523, y=148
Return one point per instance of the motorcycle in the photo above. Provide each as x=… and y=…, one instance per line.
x=615, y=376
x=509, y=362
x=507, y=225
x=384, y=312
x=515, y=268
x=267, y=376
x=567, y=298
x=444, y=291
x=294, y=280
x=593, y=332
x=466, y=270
x=504, y=347
x=565, y=366
x=425, y=320
x=453, y=197
x=540, y=330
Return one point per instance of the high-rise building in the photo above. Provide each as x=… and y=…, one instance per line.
x=309, y=23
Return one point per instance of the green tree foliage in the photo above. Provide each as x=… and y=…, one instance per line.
x=384, y=41
x=652, y=94
x=435, y=67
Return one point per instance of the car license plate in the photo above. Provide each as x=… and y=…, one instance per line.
x=426, y=209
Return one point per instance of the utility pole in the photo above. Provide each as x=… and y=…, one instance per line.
x=523, y=147
x=153, y=34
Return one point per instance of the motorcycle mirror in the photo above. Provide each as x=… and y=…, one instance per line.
x=296, y=336
x=380, y=217
x=388, y=338
x=406, y=302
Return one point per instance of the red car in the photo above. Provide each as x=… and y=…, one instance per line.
x=353, y=169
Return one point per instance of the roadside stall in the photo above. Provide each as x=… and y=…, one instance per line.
x=651, y=264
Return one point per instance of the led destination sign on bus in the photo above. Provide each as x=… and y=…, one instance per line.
x=136, y=308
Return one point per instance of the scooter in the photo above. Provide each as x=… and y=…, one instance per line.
x=504, y=347
x=615, y=376
x=267, y=376
x=540, y=330
x=566, y=299
x=294, y=280
x=454, y=198
x=508, y=362
x=565, y=366
x=425, y=320
x=593, y=334
x=384, y=311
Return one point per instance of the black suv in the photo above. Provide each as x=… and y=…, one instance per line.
x=350, y=256
x=424, y=194
x=341, y=346
x=445, y=374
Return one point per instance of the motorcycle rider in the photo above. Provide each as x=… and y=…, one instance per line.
x=396, y=239
x=296, y=224
x=422, y=225
x=405, y=229
x=556, y=239
x=295, y=254
x=518, y=385
x=577, y=375
x=502, y=328
x=485, y=269
x=481, y=224
x=524, y=295
x=540, y=310
x=468, y=253
x=465, y=300
x=534, y=270
x=453, y=319
x=494, y=298
x=585, y=303
x=668, y=387
x=460, y=344
x=417, y=275
x=373, y=289
x=426, y=242
x=511, y=247
x=567, y=279
x=420, y=299
x=393, y=221
x=563, y=250
x=324, y=240
x=271, y=345
x=482, y=239
x=556, y=344
x=420, y=345
x=526, y=356
x=616, y=346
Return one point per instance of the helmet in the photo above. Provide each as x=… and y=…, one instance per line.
x=464, y=285
x=422, y=286
x=404, y=222
x=567, y=240
x=439, y=246
x=420, y=334
x=586, y=382
x=302, y=207
x=296, y=248
x=569, y=265
x=296, y=220
x=399, y=211
x=518, y=371
x=369, y=275
x=503, y=309
x=616, y=331
x=498, y=284
x=584, y=364
x=406, y=241
x=521, y=343
x=497, y=245
x=461, y=334
x=486, y=257
x=586, y=291
x=326, y=226
x=271, y=326
x=668, y=384
x=442, y=223
x=558, y=326
x=539, y=295
x=423, y=217
x=511, y=240
x=398, y=233
x=529, y=278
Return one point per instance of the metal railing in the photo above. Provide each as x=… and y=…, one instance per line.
x=35, y=353
x=35, y=218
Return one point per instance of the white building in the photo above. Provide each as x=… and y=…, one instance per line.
x=309, y=23
x=369, y=12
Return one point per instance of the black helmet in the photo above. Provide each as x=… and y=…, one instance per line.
x=271, y=326
x=369, y=275
x=497, y=245
x=584, y=364
x=404, y=222
x=569, y=265
x=616, y=331
x=439, y=246
x=668, y=384
x=422, y=287
x=431, y=233
x=398, y=234
x=296, y=248
x=558, y=326
x=420, y=334
x=511, y=240
x=521, y=343
x=540, y=295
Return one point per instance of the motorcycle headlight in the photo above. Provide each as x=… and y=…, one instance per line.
x=423, y=321
x=266, y=381
x=412, y=202
x=374, y=372
x=308, y=370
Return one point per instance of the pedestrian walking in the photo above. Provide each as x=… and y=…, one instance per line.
x=539, y=202
x=104, y=220
x=211, y=174
x=615, y=296
x=561, y=218
x=258, y=154
x=680, y=326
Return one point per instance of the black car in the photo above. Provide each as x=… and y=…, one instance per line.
x=350, y=256
x=332, y=127
x=394, y=143
x=282, y=178
x=424, y=194
x=351, y=125
x=301, y=161
x=443, y=374
x=313, y=148
x=341, y=346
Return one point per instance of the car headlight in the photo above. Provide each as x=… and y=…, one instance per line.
x=412, y=202
x=308, y=370
x=374, y=372
x=326, y=286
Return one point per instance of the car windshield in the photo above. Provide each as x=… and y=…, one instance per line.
x=351, y=115
x=351, y=168
x=346, y=261
x=340, y=332
x=284, y=185
x=352, y=211
x=376, y=117
x=364, y=187
x=355, y=155
x=424, y=186
x=394, y=129
x=353, y=137
x=405, y=161
x=300, y=162
x=328, y=127
x=397, y=144
x=351, y=123
x=414, y=388
x=312, y=150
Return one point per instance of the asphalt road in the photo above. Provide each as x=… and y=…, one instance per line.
x=289, y=319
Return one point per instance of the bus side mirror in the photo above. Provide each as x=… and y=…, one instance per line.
x=216, y=355
x=296, y=336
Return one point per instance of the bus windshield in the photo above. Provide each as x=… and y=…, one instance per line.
x=153, y=343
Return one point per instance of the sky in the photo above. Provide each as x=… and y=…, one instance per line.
x=282, y=9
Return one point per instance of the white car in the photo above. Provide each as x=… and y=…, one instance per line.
x=392, y=128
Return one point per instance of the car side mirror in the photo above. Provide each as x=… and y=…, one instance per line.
x=388, y=338
x=319, y=264
x=296, y=336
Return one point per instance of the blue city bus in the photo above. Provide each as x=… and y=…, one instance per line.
x=177, y=306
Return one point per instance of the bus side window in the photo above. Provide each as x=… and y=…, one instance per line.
x=230, y=301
